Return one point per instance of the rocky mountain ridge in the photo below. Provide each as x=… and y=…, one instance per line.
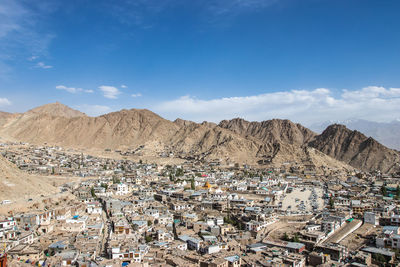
x=237, y=140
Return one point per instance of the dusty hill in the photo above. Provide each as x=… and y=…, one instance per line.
x=271, y=131
x=15, y=184
x=57, y=109
x=268, y=142
x=356, y=149
x=282, y=141
x=127, y=128
x=279, y=140
x=213, y=142
x=4, y=116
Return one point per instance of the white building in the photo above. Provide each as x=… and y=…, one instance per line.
x=121, y=189
x=371, y=218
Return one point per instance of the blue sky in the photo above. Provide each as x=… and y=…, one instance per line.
x=305, y=60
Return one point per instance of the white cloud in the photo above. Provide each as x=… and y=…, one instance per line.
x=4, y=102
x=124, y=86
x=94, y=110
x=42, y=65
x=20, y=34
x=305, y=106
x=234, y=7
x=73, y=90
x=33, y=58
x=110, y=92
x=136, y=95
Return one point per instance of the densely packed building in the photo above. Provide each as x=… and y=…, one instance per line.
x=126, y=213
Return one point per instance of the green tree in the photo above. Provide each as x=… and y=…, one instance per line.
x=104, y=185
x=92, y=192
x=331, y=202
x=179, y=172
x=149, y=223
x=379, y=258
x=148, y=239
x=286, y=237
x=192, y=185
x=295, y=238
x=383, y=190
x=116, y=180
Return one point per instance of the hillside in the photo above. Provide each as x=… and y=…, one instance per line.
x=356, y=149
x=126, y=128
x=269, y=142
x=386, y=133
x=15, y=184
x=57, y=109
x=271, y=131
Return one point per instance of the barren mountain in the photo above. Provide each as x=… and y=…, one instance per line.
x=15, y=184
x=280, y=140
x=356, y=149
x=117, y=129
x=268, y=142
x=213, y=142
x=386, y=133
x=4, y=116
x=271, y=131
x=57, y=109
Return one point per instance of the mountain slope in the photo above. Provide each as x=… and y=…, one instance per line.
x=213, y=142
x=117, y=129
x=280, y=140
x=15, y=184
x=387, y=133
x=269, y=142
x=271, y=131
x=57, y=109
x=356, y=149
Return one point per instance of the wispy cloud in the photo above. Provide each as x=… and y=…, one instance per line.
x=42, y=65
x=305, y=106
x=73, y=90
x=136, y=95
x=235, y=7
x=20, y=34
x=4, y=102
x=124, y=86
x=94, y=110
x=139, y=12
x=145, y=13
x=32, y=58
x=110, y=92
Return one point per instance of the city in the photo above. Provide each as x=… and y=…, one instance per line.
x=145, y=214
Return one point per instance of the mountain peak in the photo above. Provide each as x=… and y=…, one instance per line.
x=57, y=109
x=354, y=148
x=275, y=131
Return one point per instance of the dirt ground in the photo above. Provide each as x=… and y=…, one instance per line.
x=276, y=230
x=360, y=237
x=37, y=203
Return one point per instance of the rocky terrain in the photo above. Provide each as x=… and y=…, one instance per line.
x=355, y=149
x=237, y=140
x=386, y=133
x=16, y=184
